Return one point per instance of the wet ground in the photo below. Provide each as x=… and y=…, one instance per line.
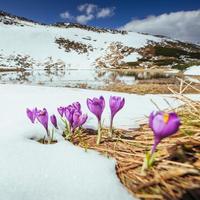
x=117, y=80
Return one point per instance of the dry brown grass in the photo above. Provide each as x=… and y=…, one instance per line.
x=177, y=166
x=149, y=88
x=11, y=70
x=155, y=84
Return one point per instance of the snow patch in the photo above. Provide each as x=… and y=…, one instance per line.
x=193, y=71
x=132, y=57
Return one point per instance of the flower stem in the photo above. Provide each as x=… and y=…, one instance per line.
x=150, y=157
x=68, y=131
x=99, y=133
x=48, y=137
x=111, y=128
x=52, y=135
x=153, y=148
x=146, y=163
x=156, y=142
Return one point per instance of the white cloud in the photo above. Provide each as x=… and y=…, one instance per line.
x=65, y=15
x=105, y=12
x=183, y=25
x=83, y=19
x=88, y=13
x=87, y=8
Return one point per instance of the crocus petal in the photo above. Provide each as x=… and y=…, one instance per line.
x=77, y=106
x=76, y=116
x=43, y=118
x=89, y=104
x=158, y=125
x=102, y=102
x=172, y=125
x=82, y=119
x=69, y=115
x=32, y=114
x=54, y=121
x=61, y=110
x=151, y=117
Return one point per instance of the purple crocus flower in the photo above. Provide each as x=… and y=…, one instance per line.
x=78, y=120
x=74, y=116
x=32, y=114
x=54, y=121
x=97, y=106
x=69, y=111
x=43, y=118
x=116, y=104
x=163, y=125
x=61, y=110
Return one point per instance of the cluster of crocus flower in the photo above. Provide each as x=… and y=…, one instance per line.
x=163, y=125
x=42, y=117
x=74, y=116
x=97, y=106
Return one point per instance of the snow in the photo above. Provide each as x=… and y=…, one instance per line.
x=128, y=80
x=33, y=171
x=132, y=57
x=137, y=106
x=193, y=71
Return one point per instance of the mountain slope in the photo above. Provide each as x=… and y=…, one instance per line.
x=27, y=44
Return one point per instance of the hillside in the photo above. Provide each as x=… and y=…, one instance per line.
x=27, y=44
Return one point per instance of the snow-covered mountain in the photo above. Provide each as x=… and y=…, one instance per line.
x=27, y=44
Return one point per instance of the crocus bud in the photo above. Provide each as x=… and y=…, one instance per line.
x=54, y=121
x=163, y=125
x=116, y=104
x=32, y=114
x=96, y=106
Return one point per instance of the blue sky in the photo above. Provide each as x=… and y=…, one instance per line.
x=178, y=19
x=48, y=11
